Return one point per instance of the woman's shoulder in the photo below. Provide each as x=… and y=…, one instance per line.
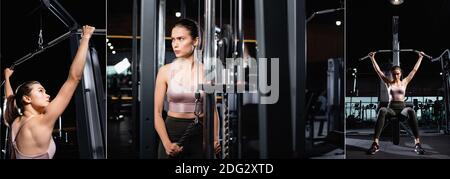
x=165, y=68
x=15, y=121
x=405, y=83
x=175, y=63
x=166, y=71
x=388, y=84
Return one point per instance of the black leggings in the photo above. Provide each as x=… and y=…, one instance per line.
x=396, y=108
x=193, y=146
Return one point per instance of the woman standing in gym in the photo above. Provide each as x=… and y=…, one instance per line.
x=179, y=80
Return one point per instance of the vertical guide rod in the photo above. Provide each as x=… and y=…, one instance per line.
x=208, y=128
x=241, y=77
x=262, y=109
x=135, y=77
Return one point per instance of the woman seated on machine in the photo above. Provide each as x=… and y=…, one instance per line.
x=396, y=88
x=31, y=115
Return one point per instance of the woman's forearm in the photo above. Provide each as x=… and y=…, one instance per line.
x=419, y=61
x=378, y=70
x=77, y=67
x=8, y=89
x=375, y=66
x=414, y=70
x=161, y=130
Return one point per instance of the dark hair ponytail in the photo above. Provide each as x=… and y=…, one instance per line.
x=11, y=111
x=10, y=114
x=14, y=103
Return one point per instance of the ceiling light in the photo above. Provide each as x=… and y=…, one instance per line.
x=396, y=2
x=178, y=14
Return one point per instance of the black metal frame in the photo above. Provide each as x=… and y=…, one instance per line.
x=297, y=59
x=135, y=76
x=56, y=9
x=209, y=55
x=335, y=106
x=281, y=116
x=395, y=51
x=146, y=79
x=395, y=41
x=445, y=66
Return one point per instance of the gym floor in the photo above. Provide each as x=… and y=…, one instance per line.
x=436, y=145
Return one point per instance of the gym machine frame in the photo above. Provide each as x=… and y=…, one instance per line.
x=272, y=43
x=335, y=103
x=445, y=66
x=395, y=51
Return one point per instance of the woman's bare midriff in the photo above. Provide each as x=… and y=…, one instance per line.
x=187, y=116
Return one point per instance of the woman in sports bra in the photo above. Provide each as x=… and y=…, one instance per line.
x=178, y=80
x=397, y=90
x=31, y=115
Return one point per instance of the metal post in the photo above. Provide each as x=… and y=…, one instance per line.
x=335, y=98
x=183, y=8
x=208, y=128
x=395, y=41
x=100, y=95
x=135, y=114
x=272, y=45
x=2, y=107
x=147, y=75
x=162, y=31
x=60, y=127
x=297, y=30
x=446, y=80
x=240, y=48
x=262, y=109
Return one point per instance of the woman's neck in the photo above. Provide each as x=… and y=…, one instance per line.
x=396, y=81
x=29, y=111
x=189, y=60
